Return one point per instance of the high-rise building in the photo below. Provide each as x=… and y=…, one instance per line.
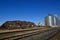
x=51, y=20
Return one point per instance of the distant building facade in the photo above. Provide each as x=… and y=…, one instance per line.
x=52, y=20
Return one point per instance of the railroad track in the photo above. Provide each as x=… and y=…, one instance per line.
x=20, y=34
x=21, y=30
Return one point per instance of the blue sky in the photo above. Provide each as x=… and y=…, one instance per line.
x=28, y=10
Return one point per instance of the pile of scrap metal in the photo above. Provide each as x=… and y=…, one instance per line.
x=17, y=25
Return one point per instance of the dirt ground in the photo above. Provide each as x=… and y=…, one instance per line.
x=56, y=37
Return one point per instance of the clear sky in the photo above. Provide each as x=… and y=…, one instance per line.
x=28, y=10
